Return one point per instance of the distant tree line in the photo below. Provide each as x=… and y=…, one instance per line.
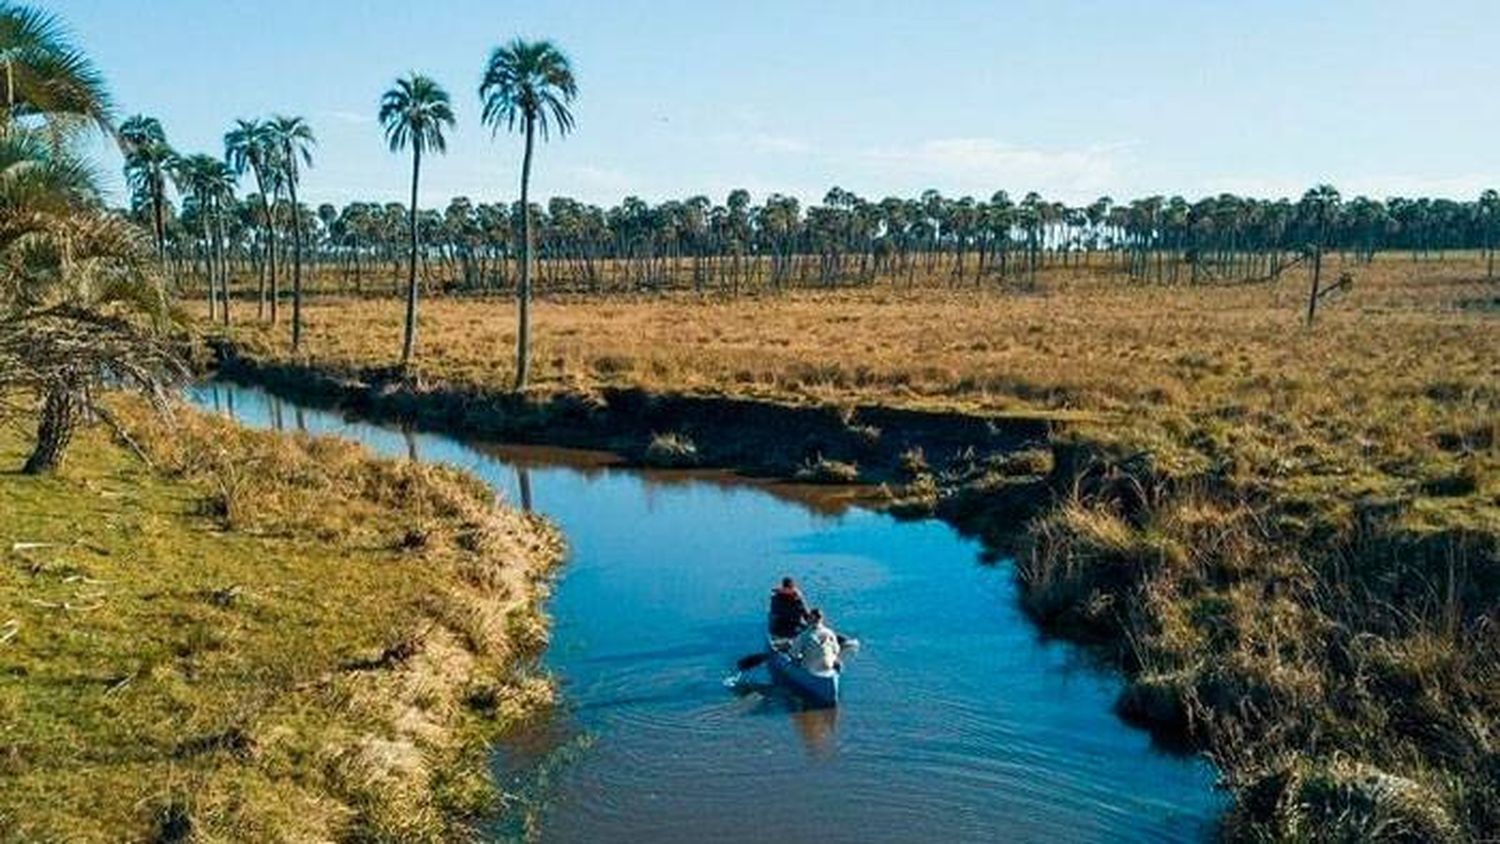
x=737, y=245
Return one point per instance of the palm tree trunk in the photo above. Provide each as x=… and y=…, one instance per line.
x=409, y=341
x=223, y=260
x=523, y=290
x=291, y=185
x=260, y=273
x=208, y=276
x=1317, y=276
x=60, y=410
x=156, y=212
x=265, y=205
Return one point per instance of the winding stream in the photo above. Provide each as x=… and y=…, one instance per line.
x=959, y=723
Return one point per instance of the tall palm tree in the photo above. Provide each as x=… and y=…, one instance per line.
x=293, y=140
x=148, y=157
x=529, y=83
x=413, y=114
x=249, y=146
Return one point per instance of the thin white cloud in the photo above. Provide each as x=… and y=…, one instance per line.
x=589, y=180
x=784, y=144
x=343, y=116
x=984, y=165
x=762, y=143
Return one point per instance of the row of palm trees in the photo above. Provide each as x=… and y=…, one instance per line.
x=272, y=151
x=527, y=86
x=736, y=245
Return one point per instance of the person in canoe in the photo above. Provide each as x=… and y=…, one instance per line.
x=817, y=646
x=788, y=610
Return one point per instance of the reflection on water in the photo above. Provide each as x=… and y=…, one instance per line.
x=958, y=723
x=523, y=483
x=815, y=726
x=816, y=729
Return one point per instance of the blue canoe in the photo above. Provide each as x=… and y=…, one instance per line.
x=818, y=689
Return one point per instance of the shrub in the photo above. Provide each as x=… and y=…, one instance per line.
x=1344, y=801
x=671, y=451
x=822, y=470
x=917, y=499
x=867, y=435
x=914, y=462
x=1027, y=461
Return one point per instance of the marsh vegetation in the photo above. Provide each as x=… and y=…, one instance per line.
x=1272, y=493
x=1285, y=535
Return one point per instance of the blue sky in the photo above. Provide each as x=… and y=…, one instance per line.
x=1073, y=99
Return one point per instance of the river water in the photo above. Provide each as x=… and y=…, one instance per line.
x=957, y=722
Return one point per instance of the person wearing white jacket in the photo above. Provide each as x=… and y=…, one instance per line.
x=817, y=646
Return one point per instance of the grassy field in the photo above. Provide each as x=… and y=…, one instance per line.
x=257, y=638
x=1376, y=394
x=1288, y=536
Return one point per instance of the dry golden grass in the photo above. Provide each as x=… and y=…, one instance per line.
x=1407, y=361
x=263, y=638
x=1082, y=341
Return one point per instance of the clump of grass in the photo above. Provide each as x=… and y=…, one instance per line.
x=822, y=470
x=913, y=462
x=608, y=365
x=671, y=451
x=1026, y=461
x=1158, y=702
x=867, y=436
x=916, y=499
x=864, y=434
x=1087, y=564
x=1346, y=801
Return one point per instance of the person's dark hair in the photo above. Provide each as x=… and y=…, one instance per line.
x=815, y=615
x=788, y=583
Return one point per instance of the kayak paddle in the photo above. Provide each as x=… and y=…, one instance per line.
x=749, y=661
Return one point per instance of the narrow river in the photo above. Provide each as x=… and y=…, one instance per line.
x=958, y=722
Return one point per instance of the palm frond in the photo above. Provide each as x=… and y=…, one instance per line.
x=414, y=113
x=47, y=81
x=528, y=83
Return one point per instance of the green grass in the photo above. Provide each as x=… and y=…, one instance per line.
x=247, y=643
